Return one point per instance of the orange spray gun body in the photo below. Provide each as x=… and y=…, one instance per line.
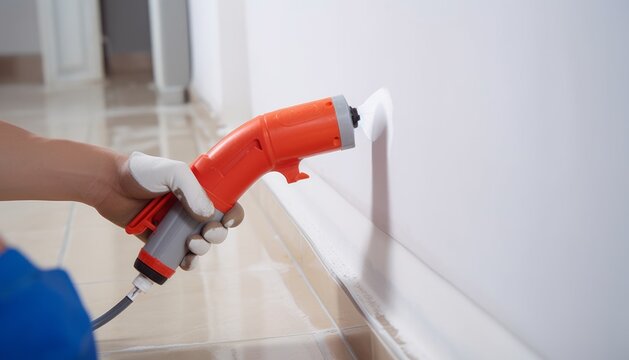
x=276, y=141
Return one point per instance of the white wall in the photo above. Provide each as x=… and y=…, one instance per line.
x=205, y=51
x=19, y=33
x=509, y=166
x=220, y=74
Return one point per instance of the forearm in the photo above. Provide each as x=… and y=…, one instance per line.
x=37, y=168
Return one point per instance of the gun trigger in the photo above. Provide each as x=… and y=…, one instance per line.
x=290, y=170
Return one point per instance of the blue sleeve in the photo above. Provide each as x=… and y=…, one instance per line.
x=41, y=315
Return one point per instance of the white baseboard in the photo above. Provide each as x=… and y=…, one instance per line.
x=416, y=311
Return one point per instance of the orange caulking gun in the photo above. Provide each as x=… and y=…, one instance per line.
x=276, y=141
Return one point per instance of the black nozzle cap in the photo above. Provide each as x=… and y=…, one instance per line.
x=149, y=272
x=355, y=117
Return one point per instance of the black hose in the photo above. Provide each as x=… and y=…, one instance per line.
x=111, y=313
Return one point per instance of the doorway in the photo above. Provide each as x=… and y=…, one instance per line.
x=126, y=39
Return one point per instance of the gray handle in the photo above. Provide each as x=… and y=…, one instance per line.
x=168, y=242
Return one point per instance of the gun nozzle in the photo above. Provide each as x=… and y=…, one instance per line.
x=376, y=115
x=355, y=116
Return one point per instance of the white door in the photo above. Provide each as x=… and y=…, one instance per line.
x=71, y=40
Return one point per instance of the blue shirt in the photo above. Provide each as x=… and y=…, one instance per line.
x=41, y=315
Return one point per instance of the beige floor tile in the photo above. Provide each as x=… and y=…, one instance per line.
x=33, y=215
x=101, y=254
x=253, y=245
x=129, y=90
x=99, y=250
x=68, y=130
x=86, y=216
x=334, y=298
x=332, y=346
x=126, y=132
x=281, y=223
x=58, y=126
x=75, y=104
x=181, y=143
x=206, y=307
x=42, y=247
x=19, y=99
x=64, y=113
x=366, y=345
x=32, y=121
x=359, y=338
x=294, y=347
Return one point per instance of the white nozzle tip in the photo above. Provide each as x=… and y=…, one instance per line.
x=376, y=114
x=142, y=282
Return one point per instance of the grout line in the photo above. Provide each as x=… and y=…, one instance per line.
x=322, y=348
x=196, y=136
x=122, y=111
x=66, y=236
x=208, y=343
x=68, y=229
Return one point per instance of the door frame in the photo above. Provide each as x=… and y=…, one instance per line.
x=71, y=41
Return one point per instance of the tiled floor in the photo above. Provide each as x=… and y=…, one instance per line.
x=247, y=300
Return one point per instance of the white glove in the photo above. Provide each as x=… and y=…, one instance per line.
x=160, y=175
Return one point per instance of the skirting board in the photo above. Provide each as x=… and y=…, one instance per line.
x=417, y=313
x=21, y=69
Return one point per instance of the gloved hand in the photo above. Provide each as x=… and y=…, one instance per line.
x=159, y=175
x=145, y=177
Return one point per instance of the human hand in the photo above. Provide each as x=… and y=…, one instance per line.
x=143, y=177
